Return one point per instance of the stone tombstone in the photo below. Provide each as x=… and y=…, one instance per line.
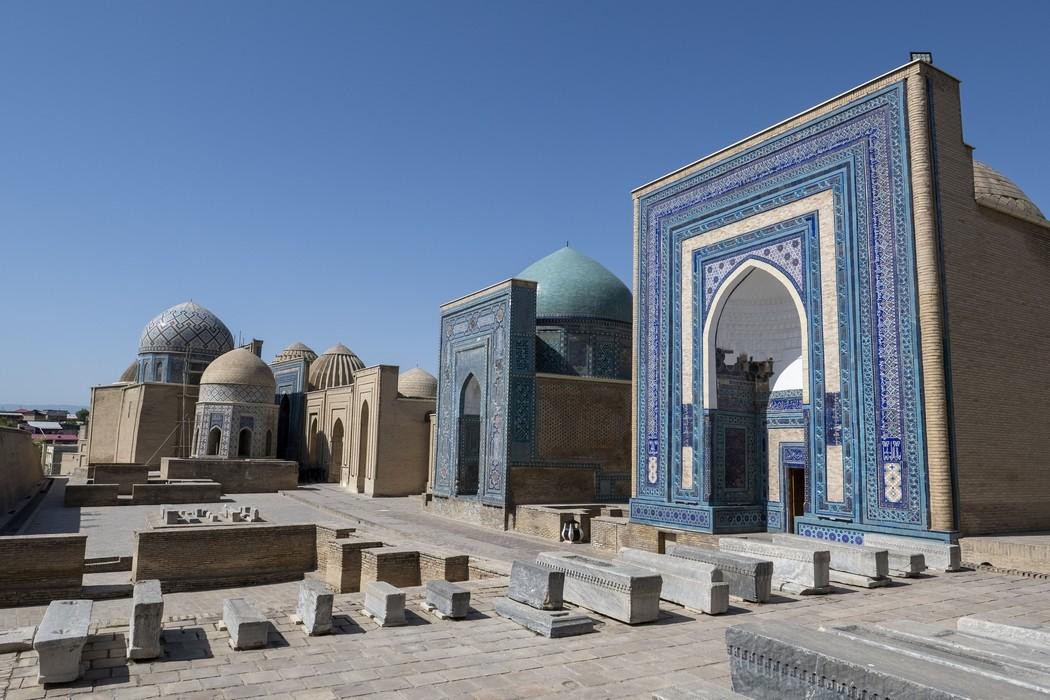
x=692, y=584
x=448, y=599
x=147, y=613
x=943, y=556
x=535, y=585
x=799, y=571
x=618, y=590
x=60, y=640
x=315, y=607
x=18, y=639
x=384, y=603
x=248, y=628
x=748, y=578
x=549, y=623
x=858, y=559
x=1006, y=629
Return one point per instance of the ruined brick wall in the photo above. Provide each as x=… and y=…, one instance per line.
x=79, y=495
x=158, y=494
x=236, y=475
x=605, y=533
x=437, y=566
x=325, y=537
x=124, y=475
x=200, y=558
x=36, y=569
x=398, y=567
x=343, y=563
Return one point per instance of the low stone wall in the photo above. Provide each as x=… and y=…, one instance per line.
x=36, y=569
x=606, y=533
x=467, y=510
x=438, y=566
x=124, y=475
x=103, y=565
x=176, y=492
x=79, y=495
x=398, y=567
x=546, y=521
x=224, y=556
x=343, y=563
x=235, y=475
x=20, y=470
x=325, y=537
x=657, y=539
x=1014, y=552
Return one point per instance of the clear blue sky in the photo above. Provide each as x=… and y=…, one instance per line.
x=333, y=171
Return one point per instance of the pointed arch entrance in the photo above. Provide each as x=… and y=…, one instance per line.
x=468, y=472
x=362, y=449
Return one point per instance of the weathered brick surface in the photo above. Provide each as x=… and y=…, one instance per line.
x=159, y=493
x=124, y=475
x=41, y=568
x=552, y=484
x=343, y=565
x=325, y=537
x=606, y=532
x=398, y=567
x=434, y=565
x=78, y=495
x=195, y=558
x=236, y=475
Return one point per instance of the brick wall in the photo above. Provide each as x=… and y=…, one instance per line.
x=236, y=475
x=36, y=569
x=19, y=468
x=551, y=484
x=78, y=495
x=124, y=475
x=605, y=533
x=398, y=567
x=160, y=493
x=437, y=566
x=325, y=537
x=468, y=510
x=224, y=556
x=584, y=419
x=343, y=565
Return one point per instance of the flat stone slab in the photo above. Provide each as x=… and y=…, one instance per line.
x=906, y=564
x=801, y=571
x=60, y=640
x=248, y=628
x=938, y=555
x=314, y=607
x=549, y=623
x=621, y=591
x=748, y=578
x=147, y=614
x=447, y=599
x=1006, y=629
x=782, y=660
x=18, y=639
x=698, y=690
x=860, y=560
x=384, y=603
x=536, y=586
x=692, y=584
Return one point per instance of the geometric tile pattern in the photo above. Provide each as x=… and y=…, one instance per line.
x=186, y=326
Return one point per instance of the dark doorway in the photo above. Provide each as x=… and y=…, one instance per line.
x=467, y=473
x=284, y=416
x=244, y=443
x=796, y=504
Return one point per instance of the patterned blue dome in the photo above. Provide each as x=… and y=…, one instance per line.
x=575, y=286
x=186, y=327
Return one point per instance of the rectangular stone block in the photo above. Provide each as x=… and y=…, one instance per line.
x=621, y=591
x=536, y=586
x=938, y=555
x=800, y=571
x=549, y=623
x=384, y=603
x=906, y=564
x=315, y=607
x=60, y=640
x=248, y=628
x=18, y=639
x=692, y=584
x=748, y=578
x=1006, y=629
x=856, y=559
x=398, y=566
x=781, y=660
x=147, y=613
x=448, y=599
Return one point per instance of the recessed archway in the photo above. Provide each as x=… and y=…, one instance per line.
x=469, y=452
x=244, y=443
x=214, y=438
x=362, y=448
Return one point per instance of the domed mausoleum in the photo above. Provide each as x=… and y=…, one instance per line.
x=236, y=415
x=335, y=367
x=417, y=383
x=583, y=317
x=177, y=345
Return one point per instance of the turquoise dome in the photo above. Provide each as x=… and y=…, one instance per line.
x=573, y=285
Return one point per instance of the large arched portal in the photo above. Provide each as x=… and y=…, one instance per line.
x=362, y=449
x=468, y=471
x=757, y=346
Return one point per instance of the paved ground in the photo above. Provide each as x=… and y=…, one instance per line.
x=482, y=657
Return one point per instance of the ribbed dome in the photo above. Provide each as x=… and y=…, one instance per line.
x=186, y=327
x=417, y=384
x=296, y=351
x=240, y=367
x=993, y=189
x=131, y=374
x=573, y=285
x=335, y=367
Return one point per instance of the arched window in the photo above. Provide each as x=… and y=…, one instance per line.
x=214, y=438
x=337, y=443
x=244, y=443
x=158, y=373
x=269, y=443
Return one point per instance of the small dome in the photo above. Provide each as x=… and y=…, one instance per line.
x=186, y=327
x=335, y=367
x=993, y=189
x=240, y=367
x=417, y=384
x=573, y=285
x=131, y=374
x=296, y=351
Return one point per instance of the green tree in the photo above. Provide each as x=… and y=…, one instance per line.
x=82, y=415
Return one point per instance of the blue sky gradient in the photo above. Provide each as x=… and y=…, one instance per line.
x=333, y=171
